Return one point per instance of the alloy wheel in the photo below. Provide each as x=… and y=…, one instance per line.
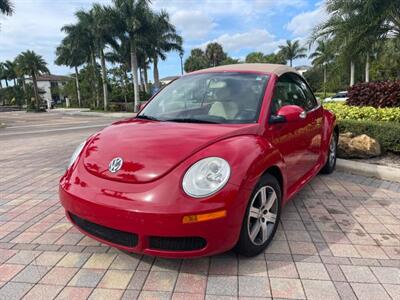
x=262, y=216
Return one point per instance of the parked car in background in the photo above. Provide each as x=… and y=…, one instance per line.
x=340, y=96
x=206, y=166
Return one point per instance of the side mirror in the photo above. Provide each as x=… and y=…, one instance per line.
x=289, y=113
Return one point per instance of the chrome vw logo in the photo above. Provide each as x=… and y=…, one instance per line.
x=115, y=164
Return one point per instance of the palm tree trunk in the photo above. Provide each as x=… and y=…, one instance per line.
x=104, y=79
x=78, y=90
x=324, y=81
x=15, y=83
x=1, y=85
x=35, y=89
x=291, y=61
x=141, y=79
x=146, y=79
x=96, y=87
x=367, y=69
x=6, y=83
x=134, y=68
x=24, y=89
x=155, y=73
x=352, y=67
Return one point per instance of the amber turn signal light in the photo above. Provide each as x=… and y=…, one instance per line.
x=204, y=217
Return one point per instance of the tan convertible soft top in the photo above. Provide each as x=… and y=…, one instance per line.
x=267, y=68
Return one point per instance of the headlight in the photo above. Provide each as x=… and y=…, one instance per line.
x=76, y=154
x=206, y=177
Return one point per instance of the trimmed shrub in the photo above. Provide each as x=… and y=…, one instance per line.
x=347, y=112
x=387, y=133
x=376, y=94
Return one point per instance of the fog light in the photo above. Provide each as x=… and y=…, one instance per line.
x=204, y=217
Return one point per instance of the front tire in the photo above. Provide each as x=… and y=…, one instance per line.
x=330, y=164
x=262, y=217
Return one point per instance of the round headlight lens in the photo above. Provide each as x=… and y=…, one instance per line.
x=206, y=177
x=76, y=153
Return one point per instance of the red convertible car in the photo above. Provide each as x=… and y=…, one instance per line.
x=206, y=166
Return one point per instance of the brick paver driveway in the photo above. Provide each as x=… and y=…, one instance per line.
x=339, y=238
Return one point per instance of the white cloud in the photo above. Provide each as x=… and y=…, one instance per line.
x=303, y=23
x=192, y=24
x=257, y=39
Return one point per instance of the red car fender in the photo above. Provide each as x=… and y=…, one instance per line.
x=249, y=156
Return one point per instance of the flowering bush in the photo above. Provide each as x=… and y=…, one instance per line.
x=347, y=112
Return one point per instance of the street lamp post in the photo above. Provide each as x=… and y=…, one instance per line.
x=181, y=56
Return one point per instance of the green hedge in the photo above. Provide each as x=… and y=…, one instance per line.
x=387, y=133
x=347, y=112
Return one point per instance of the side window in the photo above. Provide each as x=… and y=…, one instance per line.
x=290, y=90
x=310, y=99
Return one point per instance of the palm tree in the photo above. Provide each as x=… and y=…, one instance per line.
x=34, y=65
x=103, y=32
x=132, y=18
x=6, y=7
x=10, y=71
x=68, y=54
x=292, y=50
x=82, y=36
x=3, y=74
x=322, y=56
x=357, y=25
x=163, y=39
x=215, y=54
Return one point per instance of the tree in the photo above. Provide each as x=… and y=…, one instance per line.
x=132, y=19
x=292, y=50
x=322, y=56
x=82, y=37
x=259, y=57
x=163, y=39
x=215, y=54
x=6, y=7
x=103, y=34
x=196, y=61
x=34, y=65
x=255, y=57
x=68, y=54
x=358, y=25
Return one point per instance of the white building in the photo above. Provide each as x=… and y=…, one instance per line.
x=50, y=86
x=302, y=69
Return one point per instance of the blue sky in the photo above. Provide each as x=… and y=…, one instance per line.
x=240, y=26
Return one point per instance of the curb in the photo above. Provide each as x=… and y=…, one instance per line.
x=369, y=170
x=87, y=112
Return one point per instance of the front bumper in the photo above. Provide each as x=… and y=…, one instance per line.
x=150, y=218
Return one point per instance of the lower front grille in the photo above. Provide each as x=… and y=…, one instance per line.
x=177, y=243
x=111, y=235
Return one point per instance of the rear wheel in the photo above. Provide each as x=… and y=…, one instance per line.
x=330, y=164
x=262, y=217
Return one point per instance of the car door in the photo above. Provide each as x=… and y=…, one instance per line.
x=293, y=139
x=314, y=118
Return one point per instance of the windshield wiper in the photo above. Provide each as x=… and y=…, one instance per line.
x=146, y=117
x=190, y=120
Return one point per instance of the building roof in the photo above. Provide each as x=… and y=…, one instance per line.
x=265, y=68
x=303, y=67
x=51, y=77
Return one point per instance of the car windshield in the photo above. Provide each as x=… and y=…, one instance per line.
x=209, y=98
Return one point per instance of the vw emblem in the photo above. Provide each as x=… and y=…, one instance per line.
x=115, y=164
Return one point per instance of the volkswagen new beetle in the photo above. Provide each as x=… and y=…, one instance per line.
x=206, y=166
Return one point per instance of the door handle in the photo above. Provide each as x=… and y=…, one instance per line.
x=303, y=115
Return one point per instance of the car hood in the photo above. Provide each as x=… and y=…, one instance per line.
x=151, y=149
